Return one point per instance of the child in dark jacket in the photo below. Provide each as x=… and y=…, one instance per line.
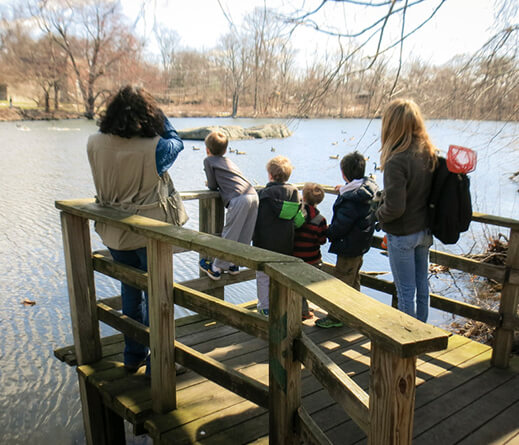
x=279, y=213
x=312, y=234
x=353, y=223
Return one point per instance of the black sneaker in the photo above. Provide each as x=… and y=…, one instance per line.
x=233, y=270
x=206, y=267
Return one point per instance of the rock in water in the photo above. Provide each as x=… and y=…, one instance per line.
x=233, y=132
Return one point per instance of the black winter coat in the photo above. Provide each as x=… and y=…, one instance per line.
x=353, y=221
x=273, y=232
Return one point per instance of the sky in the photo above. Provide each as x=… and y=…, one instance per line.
x=460, y=26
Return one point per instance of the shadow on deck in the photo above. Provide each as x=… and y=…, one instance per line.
x=460, y=398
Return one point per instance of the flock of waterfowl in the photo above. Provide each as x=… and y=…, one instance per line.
x=273, y=149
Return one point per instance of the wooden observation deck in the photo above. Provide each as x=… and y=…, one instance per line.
x=384, y=378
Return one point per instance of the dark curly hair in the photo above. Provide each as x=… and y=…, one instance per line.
x=131, y=112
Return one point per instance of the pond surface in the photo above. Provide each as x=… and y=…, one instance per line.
x=46, y=161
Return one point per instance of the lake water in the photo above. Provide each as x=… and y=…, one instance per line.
x=46, y=161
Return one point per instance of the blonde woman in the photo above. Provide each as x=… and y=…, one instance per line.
x=407, y=158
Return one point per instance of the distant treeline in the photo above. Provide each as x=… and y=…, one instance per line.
x=85, y=50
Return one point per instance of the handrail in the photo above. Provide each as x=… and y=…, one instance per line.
x=400, y=333
x=396, y=339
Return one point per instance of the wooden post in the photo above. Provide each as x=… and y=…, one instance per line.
x=162, y=326
x=391, y=397
x=81, y=288
x=504, y=334
x=211, y=215
x=284, y=369
x=99, y=428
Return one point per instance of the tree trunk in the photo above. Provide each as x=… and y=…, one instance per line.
x=47, y=100
x=56, y=96
x=235, y=100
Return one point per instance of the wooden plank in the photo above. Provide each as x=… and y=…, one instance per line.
x=67, y=354
x=81, y=288
x=94, y=419
x=223, y=375
x=162, y=325
x=208, y=245
x=284, y=369
x=469, y=407
x=504, y=335
x=500, y=429
x=459, y=262
x=139, y=279
x=309, y=431
x=436, y=301
x=353, y=399
x=473, y=267
x=396, y=331
x=211, y=220
x=128, y=326
x=391, y=397
x=199, y=195
x=225, y=312
x=495, y=220
x=217, y=428
x=203, y=365
x=463, y=309
x=198, y=401
x=458, y=365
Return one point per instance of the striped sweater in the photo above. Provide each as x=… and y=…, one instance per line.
x=310, y=236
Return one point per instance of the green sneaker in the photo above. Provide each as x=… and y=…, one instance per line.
x=328, y=322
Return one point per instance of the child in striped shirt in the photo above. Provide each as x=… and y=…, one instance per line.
x=312, y=234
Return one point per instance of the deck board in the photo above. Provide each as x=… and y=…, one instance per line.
x=460, y=398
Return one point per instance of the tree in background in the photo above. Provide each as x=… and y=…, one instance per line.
x=95, y=36
x=28, y=60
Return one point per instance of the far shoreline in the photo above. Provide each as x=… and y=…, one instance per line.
x=19, y=114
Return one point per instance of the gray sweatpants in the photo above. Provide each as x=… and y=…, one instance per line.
x=240, y=220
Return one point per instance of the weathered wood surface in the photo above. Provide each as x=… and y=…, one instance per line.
x=495, y=220
x=81, y=288
x=436, y=301
x=353, y=399
x=395, y=330
x=504, y=335
x=391, y=397
x=162, y=325
x=284, y=369
x=206, y=244
x=449, y=383
x=458, y=262
x=104, y=264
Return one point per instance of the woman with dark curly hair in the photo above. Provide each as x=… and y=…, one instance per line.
x=129, y=158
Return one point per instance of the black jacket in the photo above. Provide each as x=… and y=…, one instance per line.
x=353, y=221
x=275, y=223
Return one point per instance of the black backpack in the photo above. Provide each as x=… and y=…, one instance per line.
x=450, y=206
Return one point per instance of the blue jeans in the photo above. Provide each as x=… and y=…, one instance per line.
x=134, y=301
x=409, y=261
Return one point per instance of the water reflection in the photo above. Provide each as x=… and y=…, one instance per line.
x=44, y=162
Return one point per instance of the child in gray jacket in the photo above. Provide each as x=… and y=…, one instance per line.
x=239, y=198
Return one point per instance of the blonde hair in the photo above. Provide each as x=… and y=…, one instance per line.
x=313, y=193
x=402, y=126
x=216, y=142
x=279, y=168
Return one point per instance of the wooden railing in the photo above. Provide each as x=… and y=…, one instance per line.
x=505, y=320
x=385, y=414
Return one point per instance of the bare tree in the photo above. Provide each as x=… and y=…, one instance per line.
x=169, y=43
x=27, y=60
x=93, y=34
x=235, y=59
